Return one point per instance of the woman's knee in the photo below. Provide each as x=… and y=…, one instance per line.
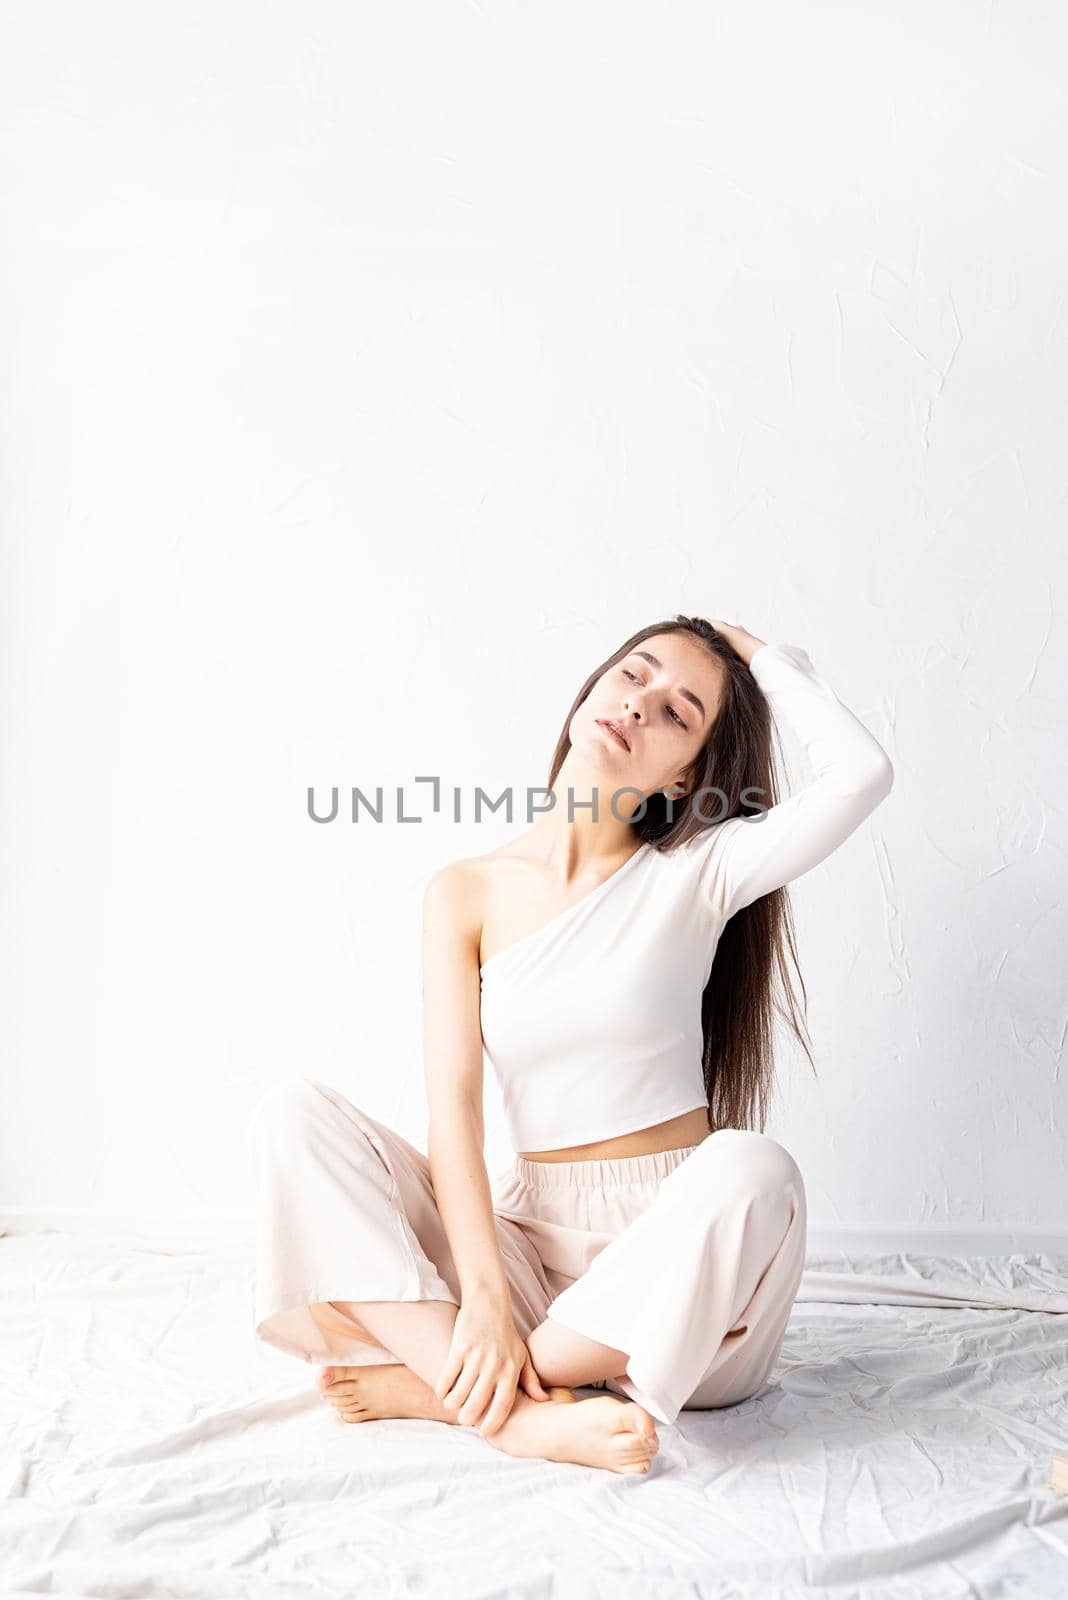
x=291, y=1105
x=753, y=1162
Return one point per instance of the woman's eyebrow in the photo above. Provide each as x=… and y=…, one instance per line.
x=686, y=694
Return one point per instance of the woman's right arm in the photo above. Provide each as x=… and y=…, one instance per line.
x=452, y=1066
x=487, y=1357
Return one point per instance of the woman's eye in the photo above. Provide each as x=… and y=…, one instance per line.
x=670, y=710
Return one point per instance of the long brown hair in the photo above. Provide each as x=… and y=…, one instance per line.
x=741, y=999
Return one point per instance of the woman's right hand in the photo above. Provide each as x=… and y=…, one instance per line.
x=486, y=1360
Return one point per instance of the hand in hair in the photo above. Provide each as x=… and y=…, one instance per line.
x=741, y=641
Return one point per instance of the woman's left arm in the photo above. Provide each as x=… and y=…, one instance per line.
x=750, y=857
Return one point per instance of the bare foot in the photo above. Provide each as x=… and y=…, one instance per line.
x=361, y=1394
x=604, y=1432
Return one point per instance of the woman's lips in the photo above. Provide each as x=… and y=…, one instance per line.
x=609, y=729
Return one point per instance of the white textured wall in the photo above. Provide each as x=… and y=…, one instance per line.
x=368, y=373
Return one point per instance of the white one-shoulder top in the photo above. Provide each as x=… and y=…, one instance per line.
x=592, y=1023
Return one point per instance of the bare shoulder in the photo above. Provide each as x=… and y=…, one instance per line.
x=468, y=876
x=451, y=889
x=460, y=891
x=454, y=894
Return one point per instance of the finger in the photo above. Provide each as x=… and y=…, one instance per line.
x=456, y=1393
x=446, y=1377
x=500, y=1410
x=474, y=1408
x=483, y=1398
x=532, y=1383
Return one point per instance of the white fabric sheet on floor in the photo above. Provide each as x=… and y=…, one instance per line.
x=150, y=1445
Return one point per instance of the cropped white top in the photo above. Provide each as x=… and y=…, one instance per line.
x=592, y=1023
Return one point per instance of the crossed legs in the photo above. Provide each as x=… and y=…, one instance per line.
x=722, y=1238
x=604, y=1431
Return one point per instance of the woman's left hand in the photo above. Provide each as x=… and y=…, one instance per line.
x=741, y=641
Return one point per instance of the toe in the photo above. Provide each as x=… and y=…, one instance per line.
x=646, y=1426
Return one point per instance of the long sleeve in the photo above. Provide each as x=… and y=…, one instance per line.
x=741, y=859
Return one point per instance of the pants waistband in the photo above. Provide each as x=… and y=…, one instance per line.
x=600, y=1174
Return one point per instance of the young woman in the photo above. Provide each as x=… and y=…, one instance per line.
x=616, y=963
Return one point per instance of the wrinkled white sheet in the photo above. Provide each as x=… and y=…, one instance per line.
x=151, y=1446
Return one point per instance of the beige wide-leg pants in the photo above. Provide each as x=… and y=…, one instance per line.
x=689, y=1260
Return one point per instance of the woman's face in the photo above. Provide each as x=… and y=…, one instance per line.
x=664, y=697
